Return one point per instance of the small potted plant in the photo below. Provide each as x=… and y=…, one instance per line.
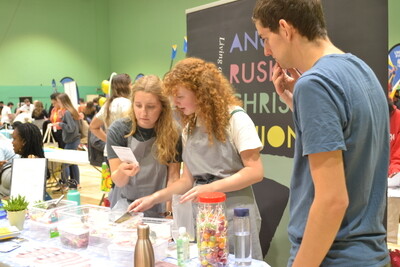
x=16, y=210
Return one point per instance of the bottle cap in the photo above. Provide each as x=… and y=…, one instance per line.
x=212, y=197
x=143, y=230
x=241, y=212
x=182, y=230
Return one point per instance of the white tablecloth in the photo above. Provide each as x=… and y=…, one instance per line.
x=83, y=257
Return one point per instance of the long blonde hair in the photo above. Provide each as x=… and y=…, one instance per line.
x=214, y=95
x=67, y=104
x=167, y=135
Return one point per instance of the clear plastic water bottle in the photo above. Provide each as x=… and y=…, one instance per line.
x=182, y=247
x=241, y=226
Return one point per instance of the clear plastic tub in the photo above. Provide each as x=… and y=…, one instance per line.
x=93, y=227
x=43, y=223
x=39, y=212
x=121, y=253
x=75, y=224
x=161, y=227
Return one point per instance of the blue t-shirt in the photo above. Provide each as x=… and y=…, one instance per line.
x=340, y=105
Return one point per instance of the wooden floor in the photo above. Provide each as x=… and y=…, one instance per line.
x=90, y=179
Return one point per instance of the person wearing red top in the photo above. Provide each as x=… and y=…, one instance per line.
x=393, y=208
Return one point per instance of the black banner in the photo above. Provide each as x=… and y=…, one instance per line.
x=225, y=35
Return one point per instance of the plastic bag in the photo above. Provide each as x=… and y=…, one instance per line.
x=183, y=216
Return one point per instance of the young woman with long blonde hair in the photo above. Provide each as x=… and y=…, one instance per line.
x=152, y=135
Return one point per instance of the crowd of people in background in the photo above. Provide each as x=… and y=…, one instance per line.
x=69, y=126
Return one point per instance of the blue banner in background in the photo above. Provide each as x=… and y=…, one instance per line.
x=394, y=69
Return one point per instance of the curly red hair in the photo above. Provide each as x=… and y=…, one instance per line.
x=214, y=95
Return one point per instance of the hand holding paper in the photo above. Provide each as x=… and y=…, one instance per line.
x=125, y=154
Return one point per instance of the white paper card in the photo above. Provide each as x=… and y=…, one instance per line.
x=29, y=178
x=125, y=154
x=394, y=181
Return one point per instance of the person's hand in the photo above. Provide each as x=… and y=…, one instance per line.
x=142, y=204
x=128, y=169
x=392, y=174
x=2, y=162
x=194, y=192
x=284, y=83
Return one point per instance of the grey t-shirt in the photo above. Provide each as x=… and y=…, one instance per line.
x=116, y=135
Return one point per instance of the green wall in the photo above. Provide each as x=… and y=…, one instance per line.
x=41, y=40
x=143, y=31
x=394, y=22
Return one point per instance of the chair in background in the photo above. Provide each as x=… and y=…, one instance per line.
x=272, y=198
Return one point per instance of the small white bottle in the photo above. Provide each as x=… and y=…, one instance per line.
x=182, y=247
x=241, y=226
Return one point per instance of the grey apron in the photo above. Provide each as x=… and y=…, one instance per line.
x=151, y=177
x=208, y=163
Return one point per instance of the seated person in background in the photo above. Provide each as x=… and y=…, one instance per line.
x=151, y=134
x=27, y=142
x=6, y=151
x=27, y=107
x=89, y=111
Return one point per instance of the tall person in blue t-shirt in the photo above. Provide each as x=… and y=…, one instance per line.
x=338, y=187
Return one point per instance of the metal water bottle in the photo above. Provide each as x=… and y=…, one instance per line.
x=73, y=193
x=144, y=253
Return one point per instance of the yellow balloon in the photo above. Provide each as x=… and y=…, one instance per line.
x=102, y=100
x=105, y=86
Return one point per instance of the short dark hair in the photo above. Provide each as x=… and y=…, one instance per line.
x=10, y=104
x=306, y=16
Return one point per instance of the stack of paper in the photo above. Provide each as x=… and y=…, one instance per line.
x=9, y=232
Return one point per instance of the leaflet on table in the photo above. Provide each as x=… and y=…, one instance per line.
x=9, y=232
x=125, y=154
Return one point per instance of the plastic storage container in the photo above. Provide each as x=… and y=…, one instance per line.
x=75, y=224
x=241, y=228
x=212, y=229
x=101, y=235
x=43, y=221
x=121, y=250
